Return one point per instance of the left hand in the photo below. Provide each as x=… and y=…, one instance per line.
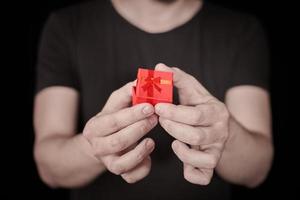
x=200, y=121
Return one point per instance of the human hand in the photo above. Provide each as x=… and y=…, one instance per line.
x=115, y=131
x=200, y=121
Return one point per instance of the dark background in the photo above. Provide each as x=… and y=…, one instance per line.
x=274, y=15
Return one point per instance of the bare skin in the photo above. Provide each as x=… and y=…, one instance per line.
x=231, y=138
x=157, y=16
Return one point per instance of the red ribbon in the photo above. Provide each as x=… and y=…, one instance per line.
x=151, y=83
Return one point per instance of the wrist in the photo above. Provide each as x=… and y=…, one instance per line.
x=232, y=125
x=85, y=147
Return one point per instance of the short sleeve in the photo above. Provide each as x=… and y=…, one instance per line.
x=55, y=63
x=251, y=64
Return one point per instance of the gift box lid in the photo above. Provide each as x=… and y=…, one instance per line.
x=153, y=84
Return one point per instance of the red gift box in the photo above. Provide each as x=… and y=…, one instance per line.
x=153, y=87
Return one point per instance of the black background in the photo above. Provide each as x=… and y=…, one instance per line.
x=30, y=16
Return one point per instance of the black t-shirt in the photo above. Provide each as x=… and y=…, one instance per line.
x=91, y=48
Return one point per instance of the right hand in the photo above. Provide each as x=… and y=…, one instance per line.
x=115, y=131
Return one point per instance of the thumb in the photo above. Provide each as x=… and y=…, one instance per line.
x=190, y=91
x=119, y=99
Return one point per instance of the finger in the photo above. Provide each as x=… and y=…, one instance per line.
x=124, y=138
x=203, y=114
x=194, y=157
x=119, y=99
x=139, y=172
x=186, y=133
x=181, y=79
x=131, y=159
x=197, y=176
x=190, y=90
x=109, y=123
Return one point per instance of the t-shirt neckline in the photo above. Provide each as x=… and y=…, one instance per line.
x=175, y=29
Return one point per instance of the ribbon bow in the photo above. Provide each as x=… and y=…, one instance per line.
x=151, y=83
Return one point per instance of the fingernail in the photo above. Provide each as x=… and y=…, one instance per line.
x=149, y=144
x=147, y=110
x=152, y=120
x=158, y=109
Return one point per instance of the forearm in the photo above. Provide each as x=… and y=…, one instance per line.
x=66, y=162
x=247, y=156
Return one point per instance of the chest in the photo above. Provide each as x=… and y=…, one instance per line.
x=109, y=59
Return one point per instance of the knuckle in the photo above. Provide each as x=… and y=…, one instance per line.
x=176, y=68
x=222, y=131
x=144, y=126
x=224, y=136
x=90, y=122
x=190, y=77
x=117, y=144
x=212, y=162
x=181, y=153
x=140, y=156
x=197, y=117
x=88, y=129
x=187, y=175
x=205, y=180
x=136, y=112
x=112, y=121
x=97, y=153
x=224, y=113
x=87, y=133
x=114, y=94
x=128, y=85
x=197, y=139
